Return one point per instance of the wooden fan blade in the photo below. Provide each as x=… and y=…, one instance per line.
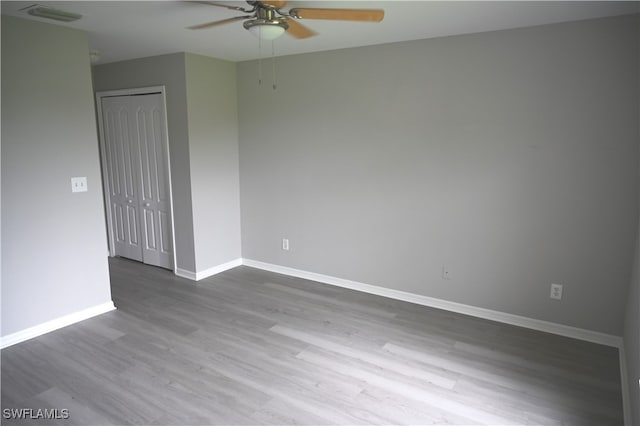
x=298, y=30
x=369, y=15
x=216, y=23
x=278, y=4
x=226, y=6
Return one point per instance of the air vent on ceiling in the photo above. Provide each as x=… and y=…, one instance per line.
x=51, y=13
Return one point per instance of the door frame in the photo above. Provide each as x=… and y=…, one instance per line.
x=103, y=159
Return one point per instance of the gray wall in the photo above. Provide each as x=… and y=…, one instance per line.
x=632, y=317
x=202, y=121
x=510, y=157
x=167, y=70
x=54, y=258
x=213, y=151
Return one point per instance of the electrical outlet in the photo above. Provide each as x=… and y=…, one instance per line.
x=285, y=244
x=556, y=291
x=78, y=184
x=446, y=273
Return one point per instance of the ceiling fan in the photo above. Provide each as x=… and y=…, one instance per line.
x=267, y=20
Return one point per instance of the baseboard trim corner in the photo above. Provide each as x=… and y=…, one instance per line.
x=183, y=273
x=197, y=276
x=218, y=269
x=503, y=317
x=55, y=324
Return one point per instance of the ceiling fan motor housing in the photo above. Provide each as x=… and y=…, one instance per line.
x=267, y=22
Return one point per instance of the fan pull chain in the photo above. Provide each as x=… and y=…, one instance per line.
x=273, y=64
x=259, y=60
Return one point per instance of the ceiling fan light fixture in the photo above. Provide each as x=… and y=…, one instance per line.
x=266, y=29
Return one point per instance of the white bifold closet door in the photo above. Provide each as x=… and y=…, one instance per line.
x=135, y=147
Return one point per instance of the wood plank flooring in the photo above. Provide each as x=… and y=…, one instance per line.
x=251, y=347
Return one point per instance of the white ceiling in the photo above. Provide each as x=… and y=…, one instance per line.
x=122, y=30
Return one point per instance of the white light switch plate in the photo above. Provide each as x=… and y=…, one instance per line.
x=78, y=184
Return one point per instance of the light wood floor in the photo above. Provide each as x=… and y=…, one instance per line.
x=252, y=347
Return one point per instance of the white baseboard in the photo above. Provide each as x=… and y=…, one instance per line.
x=40, y=329
x=217, y=269
x=521, y=321
x=185, y=274
x=197, y=276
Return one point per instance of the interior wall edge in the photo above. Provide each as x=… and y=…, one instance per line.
x=624, y=383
